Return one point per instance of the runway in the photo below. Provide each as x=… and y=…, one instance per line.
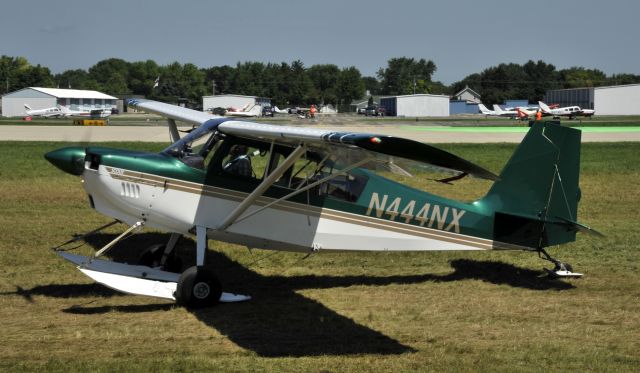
x=428, y=134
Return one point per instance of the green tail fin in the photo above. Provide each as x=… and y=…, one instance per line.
x=537, y=194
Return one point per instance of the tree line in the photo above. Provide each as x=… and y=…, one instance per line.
x=295, y=84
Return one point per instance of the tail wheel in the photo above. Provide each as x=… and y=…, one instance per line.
x=198, y=287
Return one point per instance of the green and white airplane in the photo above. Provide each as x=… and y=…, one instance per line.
x=308, y=190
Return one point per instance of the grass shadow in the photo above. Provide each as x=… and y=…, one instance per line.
x=279, y=321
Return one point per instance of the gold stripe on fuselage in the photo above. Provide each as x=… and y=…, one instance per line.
x=314, y=211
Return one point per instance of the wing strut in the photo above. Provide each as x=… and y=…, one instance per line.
x=173, y=130
x=260, y=189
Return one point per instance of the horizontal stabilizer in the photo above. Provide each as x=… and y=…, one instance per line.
x=581, y=227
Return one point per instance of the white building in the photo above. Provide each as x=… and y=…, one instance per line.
x=235, y=101
x=611, y=100
x=617, y=100
x=469, y=95
x=421, y=105
x=42, y=98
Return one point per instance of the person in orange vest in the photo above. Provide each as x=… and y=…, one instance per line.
x=539, y=114
x=312, y=111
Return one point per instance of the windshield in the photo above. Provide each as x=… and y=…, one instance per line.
x=195, y=142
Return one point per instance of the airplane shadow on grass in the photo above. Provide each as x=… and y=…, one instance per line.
x=279, y=321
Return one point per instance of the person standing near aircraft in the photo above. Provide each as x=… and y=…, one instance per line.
x=539, y=115
x=312, y=111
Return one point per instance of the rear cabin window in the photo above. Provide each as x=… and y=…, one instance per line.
x=313, y=167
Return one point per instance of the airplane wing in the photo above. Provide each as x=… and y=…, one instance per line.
x=381, y=144
x=192, y=117
x=388, y=146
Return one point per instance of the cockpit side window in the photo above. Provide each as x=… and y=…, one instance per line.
x=315, y=166
x=240, y=158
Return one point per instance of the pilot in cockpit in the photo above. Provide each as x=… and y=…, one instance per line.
x=239, y=163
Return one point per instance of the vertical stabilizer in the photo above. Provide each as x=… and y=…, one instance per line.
x=536, y=199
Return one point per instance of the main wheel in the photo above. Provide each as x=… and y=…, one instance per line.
x=198, y=287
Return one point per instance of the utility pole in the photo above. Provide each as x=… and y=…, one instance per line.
x=213, y=87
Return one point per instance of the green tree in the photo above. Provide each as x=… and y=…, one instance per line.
x=403, y=74
x=36, y=76
x=76, y=79
x=142, y=76
x=512, y=81
x=576, y=77
x=298, y=84
x=324, y=79
x=542, y=77
x=372, y=85
x=248, y=79
x=112, y=75
x=16, y=73
x=222, y=76
x=617, y=79
x=349, y=85
x=181, y=82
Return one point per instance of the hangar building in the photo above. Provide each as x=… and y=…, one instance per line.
x=617, y=100
x=612, y=100
x=582, y=97
x=421, y=105
x=235, y=101
x=42, y=98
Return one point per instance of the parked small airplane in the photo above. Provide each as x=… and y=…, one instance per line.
x=497, y=112
x=63, y=111
x=513, y=114
x=568, y=111
x=525, y=113
x=247, y=112
x=51, y=112
x=280, y=111
x=312, y=190
x=483, y=109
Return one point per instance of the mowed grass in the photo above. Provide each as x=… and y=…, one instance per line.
x=432, y=311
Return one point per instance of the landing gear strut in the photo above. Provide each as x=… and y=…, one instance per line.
x=560, y=269
x=198, y=286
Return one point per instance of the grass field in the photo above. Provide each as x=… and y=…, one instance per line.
x=478, y=311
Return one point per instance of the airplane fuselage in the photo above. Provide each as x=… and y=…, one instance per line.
x=178, y=198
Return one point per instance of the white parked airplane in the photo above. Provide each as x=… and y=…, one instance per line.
x=63, y=111
x=505, y=113
x=253, y=111
x=51, y=112
x=280, y=111
x=567, y=111
x=485, y=111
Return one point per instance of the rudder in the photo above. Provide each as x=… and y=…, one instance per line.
x=536, y=199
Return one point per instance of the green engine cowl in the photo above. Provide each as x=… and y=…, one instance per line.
x=69, y=160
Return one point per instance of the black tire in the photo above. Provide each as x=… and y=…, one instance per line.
x=198, y=287
x=152, y=257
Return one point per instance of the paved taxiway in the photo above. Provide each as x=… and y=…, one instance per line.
x=429, y=134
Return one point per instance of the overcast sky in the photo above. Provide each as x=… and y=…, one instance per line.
x=461, y=36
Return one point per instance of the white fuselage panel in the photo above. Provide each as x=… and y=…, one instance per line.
x=177, y=206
